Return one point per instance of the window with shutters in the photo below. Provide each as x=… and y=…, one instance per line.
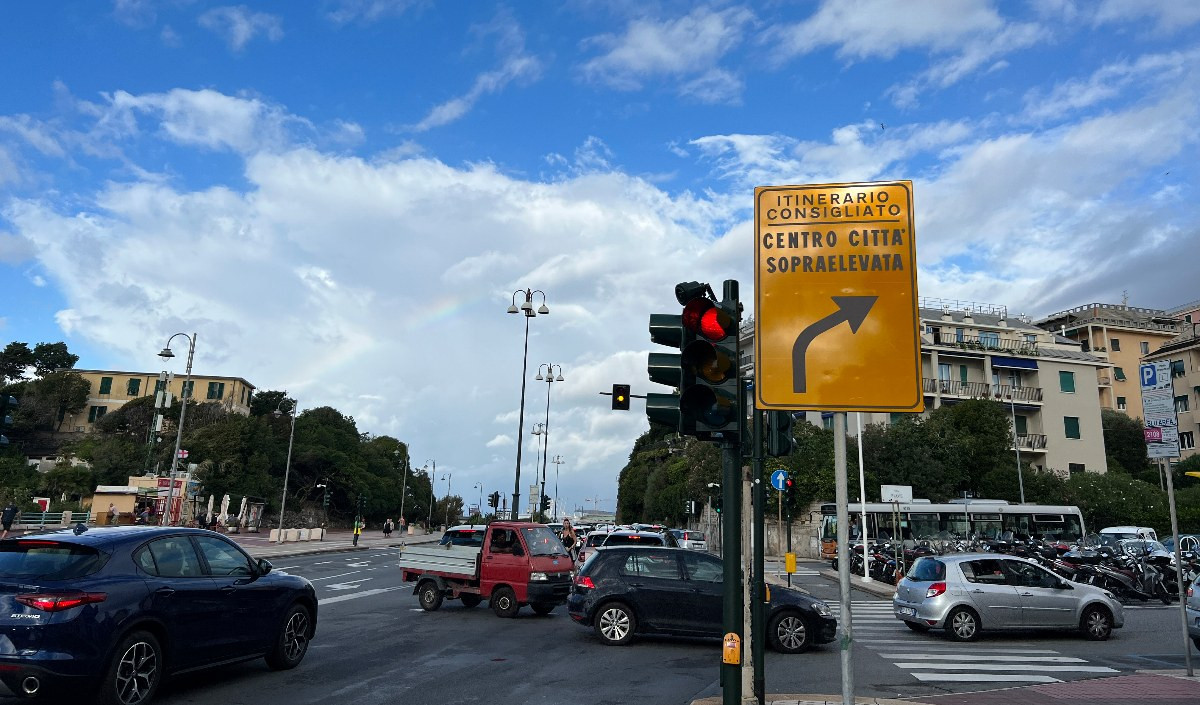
x=106, y=385
x=1066, y=382
x=133, y=387
x=216, y=390
x=1071, y=426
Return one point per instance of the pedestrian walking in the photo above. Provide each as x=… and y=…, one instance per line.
x=569, y=538
x=358, y=527
x=112, y=513
x=387, y=529
x=8, y=516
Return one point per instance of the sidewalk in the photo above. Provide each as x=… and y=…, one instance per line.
x=258, y=545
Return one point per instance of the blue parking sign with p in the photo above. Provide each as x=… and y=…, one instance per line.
x=1149, y=376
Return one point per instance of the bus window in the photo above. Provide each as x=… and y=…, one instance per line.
x=829, y=528
x=1020, y=525
x=986, y=525
x=955, y=524
x=923, y=526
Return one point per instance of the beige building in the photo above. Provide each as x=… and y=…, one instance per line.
x=1121, y=335
x=1048, y=384
x=111, y=389
x=1184, y=355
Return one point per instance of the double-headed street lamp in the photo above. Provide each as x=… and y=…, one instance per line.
x=558, y=461
x=550, y=379
x=479, y=485
x=166, y=354
x=287, y=469
x=432, y=494
x=446, y=477
x=403, y=483
x=526, y=308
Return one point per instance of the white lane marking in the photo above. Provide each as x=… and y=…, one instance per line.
x=360, y=564
x=1024, y=660
x=346, y=586
x=879, y=644
x=331, y=577
x=981, y=677
x=322, y=562
x=355, y=595
x=288, y=567
x=1001, y=667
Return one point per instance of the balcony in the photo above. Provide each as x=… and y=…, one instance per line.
x=977, y=390
x=1031, y=441
x=987, y=344
x=1105, y=381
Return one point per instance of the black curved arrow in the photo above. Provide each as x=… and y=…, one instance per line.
x=851, y=309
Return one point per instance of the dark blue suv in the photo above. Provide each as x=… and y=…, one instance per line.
x=114, y=610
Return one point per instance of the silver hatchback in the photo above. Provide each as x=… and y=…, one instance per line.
x=966, y=593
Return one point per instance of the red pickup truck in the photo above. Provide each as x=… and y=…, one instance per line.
x=517, y=564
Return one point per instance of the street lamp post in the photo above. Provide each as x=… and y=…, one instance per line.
x=1016, y=444
x=446, y=477
x=287, y=468
x=479, y=485
x=526, y=308
x=403, y=483
x=550, y=378
x=432, y=493
x=166, y=354
x=558, y=460
x=539, y=430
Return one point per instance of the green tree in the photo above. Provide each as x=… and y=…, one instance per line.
x=266, y=402
x=1124, y=440
x=14, y=360
x=981, y=432
x=913, y=451
x=1114, y=500
x=54, y=396
x=51, y=357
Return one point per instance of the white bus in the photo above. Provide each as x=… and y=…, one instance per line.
x=921, y=520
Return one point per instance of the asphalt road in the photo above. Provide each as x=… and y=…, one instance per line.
x=375, y=645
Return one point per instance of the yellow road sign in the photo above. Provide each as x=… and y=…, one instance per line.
x=835, y=298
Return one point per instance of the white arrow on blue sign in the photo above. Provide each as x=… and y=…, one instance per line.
x=778, y=478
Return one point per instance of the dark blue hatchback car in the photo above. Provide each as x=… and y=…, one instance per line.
x=114, y=610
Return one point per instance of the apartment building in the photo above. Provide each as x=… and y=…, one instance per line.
x=1183, y=352
x=1121, y=335
x=111, y=389
x=1049, y=385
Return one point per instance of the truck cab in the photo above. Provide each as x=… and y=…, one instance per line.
x=518, y=563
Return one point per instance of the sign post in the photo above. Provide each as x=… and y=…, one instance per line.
x=827, y=255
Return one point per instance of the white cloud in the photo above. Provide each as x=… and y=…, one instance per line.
x=135, y=13
x=500, y=441
x=1170, y=15
x=1108, y=82
x=687, y=48
x=370, y=10
x=515, y=65
x=237, y=25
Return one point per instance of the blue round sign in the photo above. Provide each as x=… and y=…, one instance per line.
x=778, y=478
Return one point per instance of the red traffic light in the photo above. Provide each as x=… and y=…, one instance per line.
x=787, y=484
x=703, y=317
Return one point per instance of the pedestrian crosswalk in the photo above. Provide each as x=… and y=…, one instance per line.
x=930, y=658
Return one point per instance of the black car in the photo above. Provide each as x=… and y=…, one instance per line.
x=114, y=610
x=626, y=590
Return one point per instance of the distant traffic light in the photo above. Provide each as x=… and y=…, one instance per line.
x=620, y=397
x=494, y=499
x=780, y=441
x=717, y=503
x=545, y=503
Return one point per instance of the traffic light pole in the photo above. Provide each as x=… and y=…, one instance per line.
x=758, y=597
x=731, y=551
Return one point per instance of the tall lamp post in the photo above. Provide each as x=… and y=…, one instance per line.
x=446, y=477
x=479, y=485
x=550, y=379
x=403, y=482
x=1012, y=405
x=166, y=354
x=558, y=460
x=526, y=308
x=539, y=430
x=432, y=494
x=287, y=468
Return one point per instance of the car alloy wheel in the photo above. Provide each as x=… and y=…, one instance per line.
x=295, y=636
x=964, y=625
x=1097, y=625
x=791, y=634
x=137, y=673
x=616, y=624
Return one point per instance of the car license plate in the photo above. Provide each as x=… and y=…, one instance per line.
x=907, y=611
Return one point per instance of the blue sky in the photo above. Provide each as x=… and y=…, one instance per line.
x=340, y=197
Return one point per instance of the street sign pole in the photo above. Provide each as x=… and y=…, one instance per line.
x=843, y=552
x=1187, y=647
x=731, y=552
x=758, y=617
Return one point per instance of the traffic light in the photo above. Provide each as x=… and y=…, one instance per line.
x=705, y=372
x=325, y=499
x=717, y=503
x=494, y=499
x=7, y=403
x=620, y=397
x=362, y=505
x=780, y=441
x=545, y=503
x=710, y=361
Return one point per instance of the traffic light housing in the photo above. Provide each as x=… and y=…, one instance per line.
x=717, y=503
x=620, y=397
x=545, y=503
x=362, y=505
x=706, y=403
x=325, y=498
x=494, y=499
x=7, y=404
x=780, y=441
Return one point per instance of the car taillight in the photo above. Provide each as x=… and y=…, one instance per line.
x=48, y=602
x=1190, y=588
x=584, y=581
x=935, y=590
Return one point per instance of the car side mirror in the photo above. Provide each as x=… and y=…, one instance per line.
x=264, y=566
x=1063, y=585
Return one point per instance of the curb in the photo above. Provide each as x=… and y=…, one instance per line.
x=874, y=587
x=809, y=699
